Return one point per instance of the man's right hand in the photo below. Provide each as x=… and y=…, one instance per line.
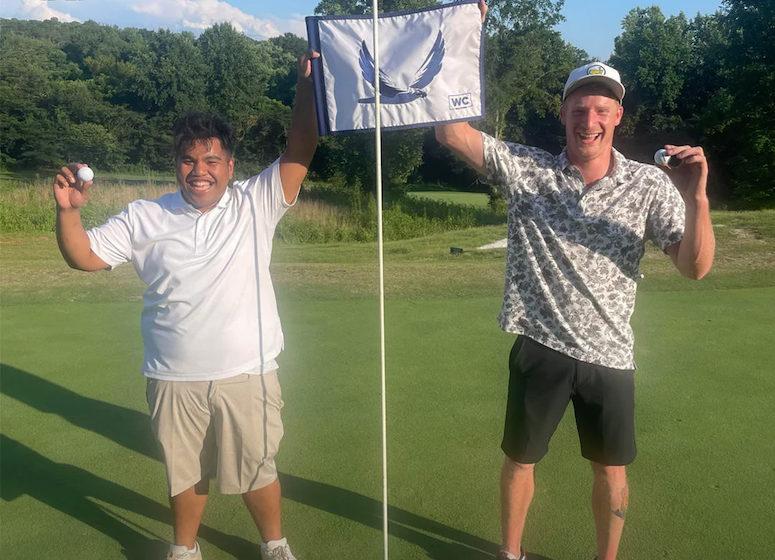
x=69, y=191
x=70, y=194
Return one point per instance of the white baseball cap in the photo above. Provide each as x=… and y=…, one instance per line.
x=594, y=72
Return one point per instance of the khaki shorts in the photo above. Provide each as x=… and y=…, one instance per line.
x=229, y=428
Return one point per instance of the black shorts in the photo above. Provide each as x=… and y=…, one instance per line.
x=541, y=383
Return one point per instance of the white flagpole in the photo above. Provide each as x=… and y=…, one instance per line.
x=378, y=155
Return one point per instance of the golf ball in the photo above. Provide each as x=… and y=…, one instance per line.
x=661, y=158
x=85, y=174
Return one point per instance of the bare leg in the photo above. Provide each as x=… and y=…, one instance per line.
x=187, y=509
x=264, y=506
x=517, y=487
x=610, y=495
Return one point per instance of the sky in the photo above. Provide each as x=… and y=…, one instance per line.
x=591, y=25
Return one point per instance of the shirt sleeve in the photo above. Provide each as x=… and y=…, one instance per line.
x=112, y=241
x=667, y=215
x=499, y=163
x=509, y=165
x=266, y=191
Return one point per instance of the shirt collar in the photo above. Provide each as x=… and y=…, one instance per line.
x=621, y=172
x=562, y=160
x=179, y=203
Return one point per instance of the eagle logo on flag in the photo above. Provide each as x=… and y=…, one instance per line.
x=393, y=93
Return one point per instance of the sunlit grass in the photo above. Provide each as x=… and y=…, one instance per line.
x=317, y=217
x=455, y=197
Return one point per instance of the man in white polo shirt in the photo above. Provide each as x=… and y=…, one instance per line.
x=210, y=325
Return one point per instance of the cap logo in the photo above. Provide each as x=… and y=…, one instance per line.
x=596, y=70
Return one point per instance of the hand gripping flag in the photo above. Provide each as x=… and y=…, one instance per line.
x=431, y=68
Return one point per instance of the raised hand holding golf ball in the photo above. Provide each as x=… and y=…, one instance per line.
x=71, y=185
x=85, y=174
x=661, y=158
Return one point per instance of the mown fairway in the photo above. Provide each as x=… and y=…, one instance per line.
x=81, y=479
x=456, y=197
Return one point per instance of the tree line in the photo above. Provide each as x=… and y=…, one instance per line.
x=108, y=95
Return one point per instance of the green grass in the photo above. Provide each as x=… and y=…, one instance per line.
x=455, y=197
x=324, y=214
x=80, y=472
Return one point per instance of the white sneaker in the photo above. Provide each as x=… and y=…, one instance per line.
x=278, y=552
x=506, y=555
x=182, y=553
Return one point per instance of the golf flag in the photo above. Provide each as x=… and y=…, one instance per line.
x=431, y=68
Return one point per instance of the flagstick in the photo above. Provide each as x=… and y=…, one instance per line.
x=378, y=146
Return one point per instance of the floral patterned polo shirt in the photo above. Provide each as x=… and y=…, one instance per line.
x=574, y=251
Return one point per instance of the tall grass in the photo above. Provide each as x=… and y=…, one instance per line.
x=326, y=214
x=30, y=206
x=323, y=213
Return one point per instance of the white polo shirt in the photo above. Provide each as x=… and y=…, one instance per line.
x=209, y=309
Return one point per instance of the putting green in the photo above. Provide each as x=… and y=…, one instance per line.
x=80, y=474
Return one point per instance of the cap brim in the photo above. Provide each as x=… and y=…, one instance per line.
x=610, y=84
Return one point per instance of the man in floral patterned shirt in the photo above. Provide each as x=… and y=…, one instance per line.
x=578, y=224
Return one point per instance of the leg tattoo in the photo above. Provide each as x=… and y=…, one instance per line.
x=621, y=511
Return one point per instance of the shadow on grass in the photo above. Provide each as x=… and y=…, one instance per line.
x=78, y=493
x=129, y=428
x=449, y=543
x=438, y=540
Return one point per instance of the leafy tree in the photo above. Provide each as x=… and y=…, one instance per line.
x=439, y=165
x=28, y=67
x=526, y=63
x=91, y=142
x=524, y=76
x=240, y=72
x=654, y=55
x=520, y=16
x=237, y=73
x=709, y=44
x=710, y=80
x=108, y=96
x=265, y=139
x=283, y=87
x=90, y=40
x=745, y=104
x=48, y=108
x=176, y=74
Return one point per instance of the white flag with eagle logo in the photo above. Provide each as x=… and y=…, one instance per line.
x=431, y=68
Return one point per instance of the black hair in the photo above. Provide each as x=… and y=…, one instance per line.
x=196, y=126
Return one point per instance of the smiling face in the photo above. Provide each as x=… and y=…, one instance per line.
x=590, y=115
x=204, y=170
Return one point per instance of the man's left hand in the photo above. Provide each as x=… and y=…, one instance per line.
x=305, y=65
x=691, y=177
